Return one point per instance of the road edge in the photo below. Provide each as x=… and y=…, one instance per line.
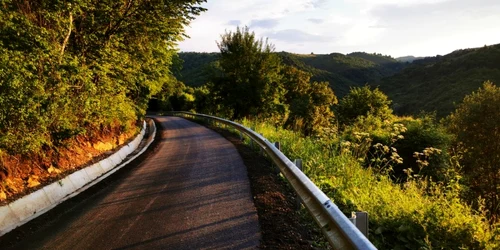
x=31, y=206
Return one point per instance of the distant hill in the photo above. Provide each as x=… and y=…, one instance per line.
x=195, y=67
x=374, y=58
x=341, y=71
x=408, y=59
x=344, y=71
x=436, y=83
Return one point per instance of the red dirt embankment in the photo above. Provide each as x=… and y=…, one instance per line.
x=21, y=175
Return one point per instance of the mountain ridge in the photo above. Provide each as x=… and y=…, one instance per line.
x=434, y=84
x=429, y=84
x=341, y=71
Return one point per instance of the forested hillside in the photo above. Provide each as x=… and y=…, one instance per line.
x=429, y=84
x=195, y=67
x=436, y=83
x=408, y=58
x=76, y=77
x=341, y=71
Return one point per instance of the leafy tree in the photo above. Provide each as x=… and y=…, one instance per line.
x=82, y=67
x=310, y=103
x=249, y=81
x=363, y=101
x=203, y=100
x=476, y=124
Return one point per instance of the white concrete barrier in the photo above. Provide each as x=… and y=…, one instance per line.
x=80, y=178
x=32, y=205
x=115, y=159
x=123, y=152
x=107, y=164
x=8, y=220
x=94, y=171
x=28, y=206
x=59, y=189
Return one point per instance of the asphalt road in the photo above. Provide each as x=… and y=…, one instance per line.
x=192, y=193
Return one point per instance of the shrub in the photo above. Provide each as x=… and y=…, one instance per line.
x=476, y=125
x=417, y=215
x=363, y=101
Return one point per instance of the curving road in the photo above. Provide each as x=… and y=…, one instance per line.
x=192, y=193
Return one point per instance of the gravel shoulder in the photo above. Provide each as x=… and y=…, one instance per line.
x=282, y=225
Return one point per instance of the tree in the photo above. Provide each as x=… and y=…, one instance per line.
x=476, y=125
x=70, y=68
x=203, y=100
x=363, y=101
x=310, y=103
x=249, y=80
x=73, y=71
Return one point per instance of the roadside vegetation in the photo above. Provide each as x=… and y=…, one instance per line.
x=426, y=183
x=76, y=77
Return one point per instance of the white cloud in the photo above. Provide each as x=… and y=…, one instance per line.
x=316, y=20
x=234, y=22
x=297, y=36
x=395, y=27
x=264, y=23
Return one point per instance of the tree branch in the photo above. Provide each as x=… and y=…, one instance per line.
x=67, y=36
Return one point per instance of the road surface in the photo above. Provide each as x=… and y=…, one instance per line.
x=192, y=193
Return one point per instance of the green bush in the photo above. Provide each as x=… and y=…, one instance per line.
x=363, y=102
x=476, y=126
x=82, y=68
x=425, y=133
x=417, y=215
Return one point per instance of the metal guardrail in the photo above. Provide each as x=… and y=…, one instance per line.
x=336, y=227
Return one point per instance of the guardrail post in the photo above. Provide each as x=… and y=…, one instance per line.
x=277, y=145
x=360, y=220
x=241, y=136
x=298, y=201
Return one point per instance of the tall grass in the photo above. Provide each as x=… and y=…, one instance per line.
x=418, y=214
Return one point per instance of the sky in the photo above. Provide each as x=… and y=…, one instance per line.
x=390, y=27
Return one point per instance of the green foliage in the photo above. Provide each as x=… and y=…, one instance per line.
x=249, y=83
x=423, y=135
x=344, y=71
x=196, y=68
x=341, y=71
x=82, y=67
x=376, y=58
x=418, y=135
x=362, y=101
x=417, y=215
x=203, y=100
x=436, y=83
x=309, y=102
x=476, y=125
